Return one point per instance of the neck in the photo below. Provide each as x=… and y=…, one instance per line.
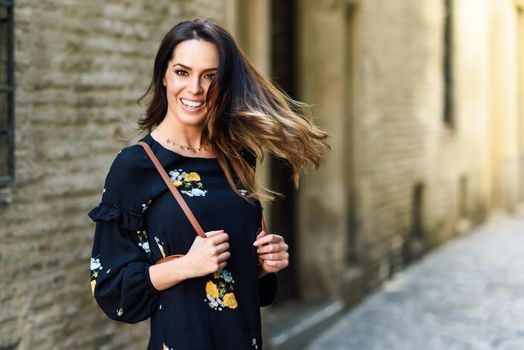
x=186, y=136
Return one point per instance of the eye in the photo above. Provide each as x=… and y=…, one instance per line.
x=181, y=72
x=210, y=76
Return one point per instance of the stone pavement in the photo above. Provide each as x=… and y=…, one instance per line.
x=468, y=294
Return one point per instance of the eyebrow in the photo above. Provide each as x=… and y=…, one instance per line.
x=189, y=68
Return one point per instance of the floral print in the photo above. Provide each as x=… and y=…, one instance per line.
x=144, y=243
x=96, y=267
x=160, y=245
x=125, y=246
x=219, y=291
x=189, y=184
x=145, y=206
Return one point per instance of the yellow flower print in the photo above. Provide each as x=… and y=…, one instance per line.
x=211, y=289
x=93, y=284
x=192, y=176
x=230, y=301
x=219, y=291
x=188, y=183
x=160, y=244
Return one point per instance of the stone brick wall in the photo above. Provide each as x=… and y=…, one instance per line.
x=80, y=67
x=372, y=69
x=374, y=72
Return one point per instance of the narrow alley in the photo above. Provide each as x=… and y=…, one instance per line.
x=466, y=295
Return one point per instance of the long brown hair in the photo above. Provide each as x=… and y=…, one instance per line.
x=245, y=111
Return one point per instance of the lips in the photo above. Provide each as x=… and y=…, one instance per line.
x=194, y=105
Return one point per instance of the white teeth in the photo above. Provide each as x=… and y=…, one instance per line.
x=191, y=104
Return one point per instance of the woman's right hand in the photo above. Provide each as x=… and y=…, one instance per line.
x=208, y=255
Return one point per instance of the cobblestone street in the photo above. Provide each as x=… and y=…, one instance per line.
x=466, y=295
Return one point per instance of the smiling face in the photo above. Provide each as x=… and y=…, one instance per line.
x=187, y=79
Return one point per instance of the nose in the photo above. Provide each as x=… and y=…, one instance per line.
x=195, y=87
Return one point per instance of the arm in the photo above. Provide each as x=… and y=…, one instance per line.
x=120, y=279
x=273, y=256
x=206, y=255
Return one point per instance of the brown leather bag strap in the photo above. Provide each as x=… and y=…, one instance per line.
x=263, y=224
x=173, y=190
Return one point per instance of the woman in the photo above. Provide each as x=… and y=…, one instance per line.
x=210, y=116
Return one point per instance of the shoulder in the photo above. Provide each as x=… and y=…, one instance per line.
x=126, y=190
x=126, y=182
x=128, y=160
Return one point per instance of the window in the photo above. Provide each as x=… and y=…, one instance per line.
x=7, y=166
x=448, y=63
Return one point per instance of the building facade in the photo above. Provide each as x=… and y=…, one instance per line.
x=422, y=99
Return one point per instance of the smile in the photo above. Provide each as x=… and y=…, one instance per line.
x=191, y=104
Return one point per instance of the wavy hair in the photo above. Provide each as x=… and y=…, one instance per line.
x=245, y=111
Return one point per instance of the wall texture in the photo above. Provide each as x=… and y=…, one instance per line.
x=80, y=67
x=398, y=181
x=406, y=180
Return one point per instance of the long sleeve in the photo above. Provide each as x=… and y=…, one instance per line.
x=121, y=256
x=268, y=287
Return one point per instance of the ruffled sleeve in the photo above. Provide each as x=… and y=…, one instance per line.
x=121, y=257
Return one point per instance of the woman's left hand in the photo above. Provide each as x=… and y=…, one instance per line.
x=272, y=252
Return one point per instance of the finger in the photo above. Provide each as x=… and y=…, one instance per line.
x=220, y=238
x=273, y=248
x=222, y=247
x=268, y=239
x=222, y=266
x=275, y=256
x=261, y=234
x=277, y=263
x=224, y=256
x=210, y=234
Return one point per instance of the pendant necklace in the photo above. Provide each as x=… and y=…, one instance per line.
x=183, y=147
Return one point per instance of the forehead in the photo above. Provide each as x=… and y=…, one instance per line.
x=197, y=54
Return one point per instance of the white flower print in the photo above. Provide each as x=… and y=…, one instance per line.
x=145, y=206
x=226, y=275
x=96, y=267
x=242, y=191
x=254, y=343
x=145, y=246
x=120, y=312
x=195, y=192
x=144, y=243
x=95, y=264
x=175, y=175
x=188, y=183
x=219, y=291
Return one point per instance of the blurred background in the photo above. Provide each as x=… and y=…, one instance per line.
x=423, y=100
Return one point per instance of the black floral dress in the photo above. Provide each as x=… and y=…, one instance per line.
x=139, y=222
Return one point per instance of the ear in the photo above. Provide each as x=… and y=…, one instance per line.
x=164, y=81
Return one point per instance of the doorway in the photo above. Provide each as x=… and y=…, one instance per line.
x=283, y=210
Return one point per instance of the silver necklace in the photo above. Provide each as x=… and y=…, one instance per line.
x=183, y=147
